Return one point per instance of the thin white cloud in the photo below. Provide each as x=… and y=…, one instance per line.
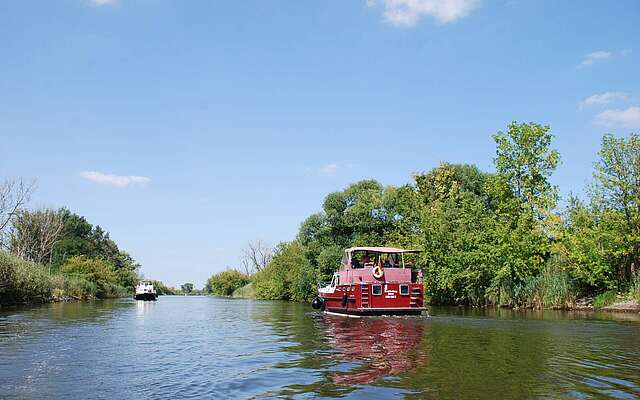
x=101, y=3
x=603, y=99
x=114, y=180
x=408, y=13
x=628, y=118
x=329, y=169
x=595, y=56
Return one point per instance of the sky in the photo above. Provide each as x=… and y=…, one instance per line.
x=187, y=128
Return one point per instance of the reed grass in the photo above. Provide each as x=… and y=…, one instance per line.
x=245, y=292
x=552, y=288
x=605, y=298
x=24, y=282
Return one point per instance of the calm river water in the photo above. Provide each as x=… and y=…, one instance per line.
x=200, y=347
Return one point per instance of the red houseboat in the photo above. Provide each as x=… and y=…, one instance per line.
x=373, y=281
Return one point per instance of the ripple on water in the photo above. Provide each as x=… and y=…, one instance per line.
x=199, y=347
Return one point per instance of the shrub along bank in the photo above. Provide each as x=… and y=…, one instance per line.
x=25, y=282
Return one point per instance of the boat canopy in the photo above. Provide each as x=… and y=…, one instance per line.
x=346, y=259
x=383, y=250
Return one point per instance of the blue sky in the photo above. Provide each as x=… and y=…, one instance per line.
x=187, y=128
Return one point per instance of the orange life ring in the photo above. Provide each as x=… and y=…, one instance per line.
x=377, y=272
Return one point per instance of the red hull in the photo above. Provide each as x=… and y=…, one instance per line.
x=376, y=299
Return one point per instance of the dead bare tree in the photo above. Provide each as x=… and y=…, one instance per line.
x=256, y=255
x=14, y=194
x=34, y=233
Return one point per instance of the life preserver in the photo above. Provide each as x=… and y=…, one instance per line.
x=377, y=272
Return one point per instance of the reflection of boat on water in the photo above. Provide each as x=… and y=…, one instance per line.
x=383, y=346
x=145, y=291
x=373, y=281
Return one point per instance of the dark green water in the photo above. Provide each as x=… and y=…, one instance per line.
x=198, y=347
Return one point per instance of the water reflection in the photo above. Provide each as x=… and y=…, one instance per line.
x=381, y=347
x=192, y=347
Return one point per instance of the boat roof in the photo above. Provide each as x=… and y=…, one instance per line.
x=386, y=250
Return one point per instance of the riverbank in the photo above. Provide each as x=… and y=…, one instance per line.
x=583, y=304
x=23, y=283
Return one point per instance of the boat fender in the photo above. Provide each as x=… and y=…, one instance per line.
x=377, y=272
x=317, y=303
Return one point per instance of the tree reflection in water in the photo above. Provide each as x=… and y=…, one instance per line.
x=383, y=347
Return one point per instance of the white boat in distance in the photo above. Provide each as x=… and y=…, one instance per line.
x=145, y=291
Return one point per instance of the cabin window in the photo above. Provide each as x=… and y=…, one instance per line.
x=404, y=290
x=376, y=290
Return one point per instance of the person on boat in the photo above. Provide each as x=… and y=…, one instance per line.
x=366, y=260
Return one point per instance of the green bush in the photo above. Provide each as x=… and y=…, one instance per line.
x=226, y=282
x=72, y=288
x=162, y=289
x=604, y=299
x=22, y=281
x=288, y=276
x=245, y=292
x=96, y=271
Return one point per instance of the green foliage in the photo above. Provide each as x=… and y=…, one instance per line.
x=34, y=234
x=24, y=282
x=552, y=288
x=288, y=276
x=605, y=298
x=226, y=282
x=456, y=230
x=617, y=190
x=593, y=245
x=187, y=287
x=162, y=289
x=525, y=160
x=80, y=238
x=96, y=271
x=245, y=292
x=84, y=261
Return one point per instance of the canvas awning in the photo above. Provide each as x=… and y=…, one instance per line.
x=386, y=250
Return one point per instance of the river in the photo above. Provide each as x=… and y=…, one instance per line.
x=203, y=347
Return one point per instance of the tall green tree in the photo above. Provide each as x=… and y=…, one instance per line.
x=601, y=239
x=187, y=287
x=525, y=160
x=617, y=187
x=80, y=238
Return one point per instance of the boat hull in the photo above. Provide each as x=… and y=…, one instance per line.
x=388, y=298
x=369, y=312
x=146, y=296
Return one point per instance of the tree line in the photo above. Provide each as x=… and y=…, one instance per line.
x=488, y=238
x=54, y=254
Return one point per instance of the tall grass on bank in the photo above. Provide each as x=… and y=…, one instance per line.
x=245, y=292
x=605, y=299
x=552, y=288
x=24, y=282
